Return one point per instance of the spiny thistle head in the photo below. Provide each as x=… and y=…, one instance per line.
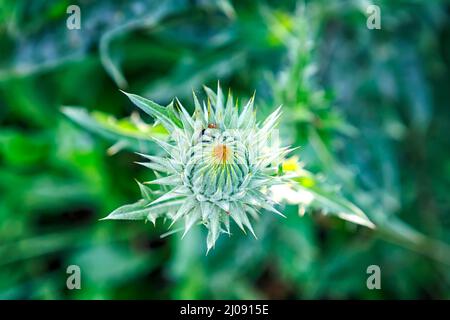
x=218, y=165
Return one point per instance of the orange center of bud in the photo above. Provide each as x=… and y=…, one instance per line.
x=222, y=153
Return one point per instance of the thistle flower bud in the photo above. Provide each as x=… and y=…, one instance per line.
x=218, y=165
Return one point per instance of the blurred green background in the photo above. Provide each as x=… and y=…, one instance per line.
x=369, y=108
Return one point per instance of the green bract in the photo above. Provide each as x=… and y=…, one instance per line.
x=218, y=165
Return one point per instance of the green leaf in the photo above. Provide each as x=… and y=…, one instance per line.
x=166, y=116
x=134, y=211
x=146, y=192
x=142, y=210
x=129, y=133
x=335, y=203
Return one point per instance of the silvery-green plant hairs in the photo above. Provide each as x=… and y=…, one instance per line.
x=220, y=165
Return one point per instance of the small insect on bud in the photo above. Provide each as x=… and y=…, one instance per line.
x=212, y=126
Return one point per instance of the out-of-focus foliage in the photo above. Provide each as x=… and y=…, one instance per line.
x=369, y=108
